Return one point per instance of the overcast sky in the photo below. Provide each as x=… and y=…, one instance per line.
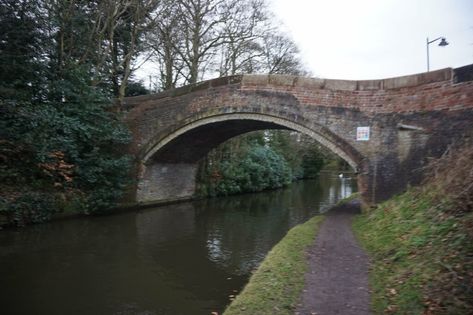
x=373, y=39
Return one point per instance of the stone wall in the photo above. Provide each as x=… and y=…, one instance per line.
x=176, y=181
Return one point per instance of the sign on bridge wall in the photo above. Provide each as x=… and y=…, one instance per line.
x=362, y=133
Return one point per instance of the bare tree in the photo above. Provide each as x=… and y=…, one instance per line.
x=241, y=33
x=200, y=23
x=124, y=24
x=185, y=39
x=254, y=44
x=195, y=39
x=280, y=55
x=106, y=34
x=166, y=40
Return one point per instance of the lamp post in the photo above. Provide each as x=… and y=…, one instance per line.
x=443, y=43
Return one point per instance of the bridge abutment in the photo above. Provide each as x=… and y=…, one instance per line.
x=163, y=182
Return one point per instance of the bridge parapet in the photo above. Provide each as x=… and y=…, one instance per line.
x=348, y=85
x=417, y=92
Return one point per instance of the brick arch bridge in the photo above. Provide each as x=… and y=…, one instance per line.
x=410, y=119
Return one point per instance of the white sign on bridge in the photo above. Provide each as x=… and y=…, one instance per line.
x=362, y=133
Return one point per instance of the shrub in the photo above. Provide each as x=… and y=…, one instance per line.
x=31, y=207
x=453, y=175
x=259, y=169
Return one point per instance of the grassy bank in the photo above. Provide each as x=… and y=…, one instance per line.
x=276, y=286
x=421, y=246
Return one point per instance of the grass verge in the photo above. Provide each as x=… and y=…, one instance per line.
x=422, y=254
x=276, y=286
x=353, y=196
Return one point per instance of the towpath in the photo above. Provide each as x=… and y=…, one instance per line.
x=337, y=279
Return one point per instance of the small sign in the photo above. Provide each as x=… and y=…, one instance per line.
x=362, y=133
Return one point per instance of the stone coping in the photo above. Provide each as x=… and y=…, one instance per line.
x=266, y=81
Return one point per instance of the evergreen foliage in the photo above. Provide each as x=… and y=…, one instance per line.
x=60, y=140
x=136, y=88
x=258, y=161
x=261, y=168
x=312, y=163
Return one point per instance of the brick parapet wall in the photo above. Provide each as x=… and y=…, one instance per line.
x=432, y=91
x=422, y=92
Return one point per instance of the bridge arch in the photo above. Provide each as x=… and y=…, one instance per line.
x=320, y=133
x=169, y=162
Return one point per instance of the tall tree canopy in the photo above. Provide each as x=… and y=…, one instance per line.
x=60, y=139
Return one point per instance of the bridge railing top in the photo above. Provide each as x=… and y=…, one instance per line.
x=457, y=75
x=186, y=89
x=348, y=85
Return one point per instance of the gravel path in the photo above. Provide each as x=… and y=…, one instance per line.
x=337, y=280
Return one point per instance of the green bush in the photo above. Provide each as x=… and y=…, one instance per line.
x=73, y=145
x=260, y=168
x=31, y=207
x=312, y=163
x=59, y=133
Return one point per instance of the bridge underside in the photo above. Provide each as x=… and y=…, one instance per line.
x=196, y=143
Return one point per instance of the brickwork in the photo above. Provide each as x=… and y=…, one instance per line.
x=169, y=176
x=411, y=118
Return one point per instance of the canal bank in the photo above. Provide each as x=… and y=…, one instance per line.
x=317, y=268
x=420, y=262
x=420, y=247
x=421, y=242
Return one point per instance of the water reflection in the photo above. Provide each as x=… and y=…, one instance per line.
x=179, y=259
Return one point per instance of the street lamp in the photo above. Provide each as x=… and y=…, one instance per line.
x=443, y=42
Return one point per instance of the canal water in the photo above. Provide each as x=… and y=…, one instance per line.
x=182, y=259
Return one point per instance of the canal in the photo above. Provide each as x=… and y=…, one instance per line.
x=182, y=259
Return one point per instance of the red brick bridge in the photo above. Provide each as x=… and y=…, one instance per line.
x=385, y=129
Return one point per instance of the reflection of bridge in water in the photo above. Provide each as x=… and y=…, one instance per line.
x=385, y=129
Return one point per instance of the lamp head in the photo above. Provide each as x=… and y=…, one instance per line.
x=443, y=42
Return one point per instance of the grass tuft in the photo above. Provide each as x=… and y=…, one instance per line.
x=276, y=286
x=346, y=200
